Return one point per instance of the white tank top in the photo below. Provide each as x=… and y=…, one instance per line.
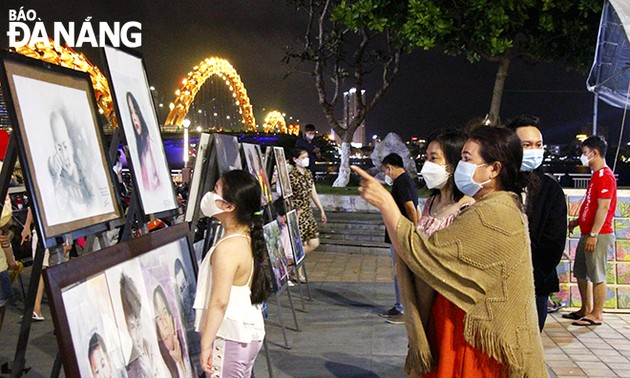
x=243, y=321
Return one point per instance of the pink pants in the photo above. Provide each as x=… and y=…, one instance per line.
x=232, y=359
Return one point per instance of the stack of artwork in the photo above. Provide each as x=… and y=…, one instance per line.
x=140, y=321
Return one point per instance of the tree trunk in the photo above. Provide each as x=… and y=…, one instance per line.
x=343, y=177
x=497, y=93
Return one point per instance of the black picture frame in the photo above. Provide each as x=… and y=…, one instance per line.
x=61, y=145
x=148, y=262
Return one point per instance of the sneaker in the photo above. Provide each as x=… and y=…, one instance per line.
x=396, y=319
x=37, y=318
x=556, y=306
x=389, y=313
x=290, y=283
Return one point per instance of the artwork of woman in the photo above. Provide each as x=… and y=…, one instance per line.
x=170, y=340
x=148, y=167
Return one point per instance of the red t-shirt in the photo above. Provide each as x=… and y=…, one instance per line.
x=602, y=185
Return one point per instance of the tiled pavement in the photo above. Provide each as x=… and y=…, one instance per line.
x=343, y=336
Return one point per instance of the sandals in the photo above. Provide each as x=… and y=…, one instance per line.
x=573, y=315
x=585, y=322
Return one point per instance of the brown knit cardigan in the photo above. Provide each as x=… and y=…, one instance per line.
x=481, y=263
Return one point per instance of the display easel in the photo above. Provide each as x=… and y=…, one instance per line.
x=270, y=161
x=19, y=361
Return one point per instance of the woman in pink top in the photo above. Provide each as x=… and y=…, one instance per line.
x=445, y=203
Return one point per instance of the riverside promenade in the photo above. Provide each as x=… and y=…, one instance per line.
x=341, y=334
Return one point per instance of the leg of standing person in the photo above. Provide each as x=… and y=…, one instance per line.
x=542, y=302
x=580, y=274
x=596, y=267
x=395, y=314
x=309, y=246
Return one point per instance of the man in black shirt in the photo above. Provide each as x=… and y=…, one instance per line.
x=405, y=194
x=546, y=213
x=311, y=146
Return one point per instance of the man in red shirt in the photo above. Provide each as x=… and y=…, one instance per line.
x=595, y=221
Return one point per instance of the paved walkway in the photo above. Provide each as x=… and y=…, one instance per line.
x=341, y=334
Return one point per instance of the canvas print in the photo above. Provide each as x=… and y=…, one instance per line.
x=282, y=171
x=254, y=159
x=171, y=289
x=93, y=328
x=277, y=258
x=296, y=239
x=198, y=170
x=142, y=132
x=228, y=153
x=56, y=120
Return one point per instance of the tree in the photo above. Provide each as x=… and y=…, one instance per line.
x=345, y=45
x=563, y=31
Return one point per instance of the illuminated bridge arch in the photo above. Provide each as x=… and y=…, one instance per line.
x=192, y=83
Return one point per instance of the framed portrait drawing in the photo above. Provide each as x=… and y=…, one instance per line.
x=138, y=119
x=140, y=321
x=296, y=239
x=228, y=153
x=283, y=172
x=256, y=167
x=55, y=119
x=199, y=171
x=277, y=259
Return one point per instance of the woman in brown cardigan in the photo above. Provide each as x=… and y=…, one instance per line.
x=480, y=264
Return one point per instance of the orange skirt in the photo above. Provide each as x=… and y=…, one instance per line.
x=456, y=358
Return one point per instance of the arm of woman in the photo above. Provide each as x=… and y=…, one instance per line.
x=375, y=194
x=315, y=198
x=224, y=266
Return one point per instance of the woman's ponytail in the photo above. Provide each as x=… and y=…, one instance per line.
x=261, y=286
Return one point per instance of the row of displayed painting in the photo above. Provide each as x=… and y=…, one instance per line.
x=618, y=267
x=125, y=310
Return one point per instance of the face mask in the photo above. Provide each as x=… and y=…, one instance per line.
x=310, y=137
x=464, y=178
x=209, y=206
x=388, y=180
x=303, y=163
x=532, y=159
x=434, y=175
x=584, y=160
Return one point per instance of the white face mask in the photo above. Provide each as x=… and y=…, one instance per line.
x=209, y=206
x=310, y=136
x=388, y=180
x=304, y=162
x=532, y=159
x=464, y=178
x=584, y=159
x=434, y=175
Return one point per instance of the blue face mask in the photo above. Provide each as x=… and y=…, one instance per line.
x=532, y=159
x=464, y=178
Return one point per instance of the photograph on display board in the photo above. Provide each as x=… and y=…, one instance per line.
x=56, y=119
x=171, y=288
x=254, y=159
x=282, y=172
x=296, y=239
x=201, y=164
x=136, y=114
x=142, y=291
x=228, y=153
x=277, y=259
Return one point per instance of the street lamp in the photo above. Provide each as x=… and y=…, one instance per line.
x=186, y=123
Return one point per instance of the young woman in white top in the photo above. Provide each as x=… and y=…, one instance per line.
x=232, y=282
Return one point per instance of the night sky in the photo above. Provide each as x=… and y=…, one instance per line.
x=432, y=90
